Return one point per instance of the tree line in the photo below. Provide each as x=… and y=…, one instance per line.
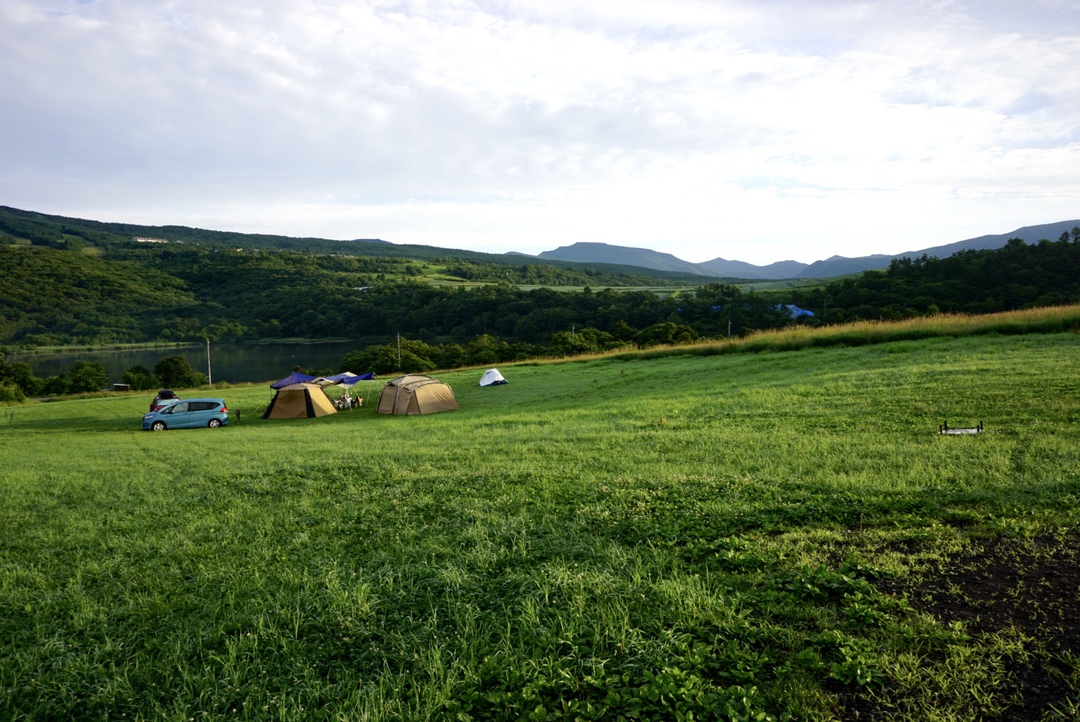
x=416, y=356
x=1017, y=276
x=18, y=382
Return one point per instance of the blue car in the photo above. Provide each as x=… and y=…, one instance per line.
x=188, y=414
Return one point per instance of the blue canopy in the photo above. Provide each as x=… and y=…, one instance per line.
x=346, y=379
x=294, y=378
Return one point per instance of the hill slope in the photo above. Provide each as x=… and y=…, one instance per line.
x=1028, y=234
x=605, y=253
x=839, y=265
x=740, y=269
x=75, y=233
x=833, y=266
x=62, y=232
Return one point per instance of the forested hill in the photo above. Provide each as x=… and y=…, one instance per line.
x=59, y=232
x=130, y=293
x=88, y=289
x=985, y=281
x=56, y=297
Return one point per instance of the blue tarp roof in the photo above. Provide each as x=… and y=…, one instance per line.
x=294, y=378
x=347, y=378
x=795, y=311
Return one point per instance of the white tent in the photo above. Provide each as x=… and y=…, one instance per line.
x=492, y=377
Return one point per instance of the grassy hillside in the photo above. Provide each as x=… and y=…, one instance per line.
x=72, y=282
x=21, y=227
x=775, y=535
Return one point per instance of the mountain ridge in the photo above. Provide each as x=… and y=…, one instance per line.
x=585, y=252
x=51, y=229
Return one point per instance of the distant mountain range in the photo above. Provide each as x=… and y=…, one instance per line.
x=47, y=229
x=834, y=266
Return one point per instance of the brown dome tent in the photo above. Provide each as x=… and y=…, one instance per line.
x=412, y=395
x=299, y=401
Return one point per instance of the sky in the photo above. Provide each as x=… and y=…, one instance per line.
x=751, y=130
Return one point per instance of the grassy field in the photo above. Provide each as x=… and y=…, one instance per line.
x=661, y=291
x=744, y=536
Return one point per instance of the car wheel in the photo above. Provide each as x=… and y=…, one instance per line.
x=157, y=426
x=214, y=423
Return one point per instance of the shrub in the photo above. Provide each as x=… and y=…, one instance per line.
x=10, y=393
x=87, y=376
x=176, y=371
x=140, y=378
x=55, y=386
x=19, y=375
x=665, y=334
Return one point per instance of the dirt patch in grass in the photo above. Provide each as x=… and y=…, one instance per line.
x=1030, y=585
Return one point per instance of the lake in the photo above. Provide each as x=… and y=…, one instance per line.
x=233, y=362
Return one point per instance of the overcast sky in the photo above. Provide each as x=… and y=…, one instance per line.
x=753, y=130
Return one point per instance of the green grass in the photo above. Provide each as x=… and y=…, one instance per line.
x=787, y=284
x=1049, y=319
x=676, y=537
x=661, y=291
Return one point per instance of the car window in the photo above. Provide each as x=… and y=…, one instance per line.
x=178, y=408
x=202, y=405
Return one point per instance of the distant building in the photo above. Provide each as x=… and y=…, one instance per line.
x=141, y=239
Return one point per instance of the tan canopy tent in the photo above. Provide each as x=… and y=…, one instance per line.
x=413, y=395
x=299, y=401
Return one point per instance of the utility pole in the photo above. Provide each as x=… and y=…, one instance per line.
x=399, y=352
x=209, y=375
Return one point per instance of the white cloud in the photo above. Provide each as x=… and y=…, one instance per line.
x=758, y=131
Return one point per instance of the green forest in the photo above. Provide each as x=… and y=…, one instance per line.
x=1013, y=277
x=67, y=282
